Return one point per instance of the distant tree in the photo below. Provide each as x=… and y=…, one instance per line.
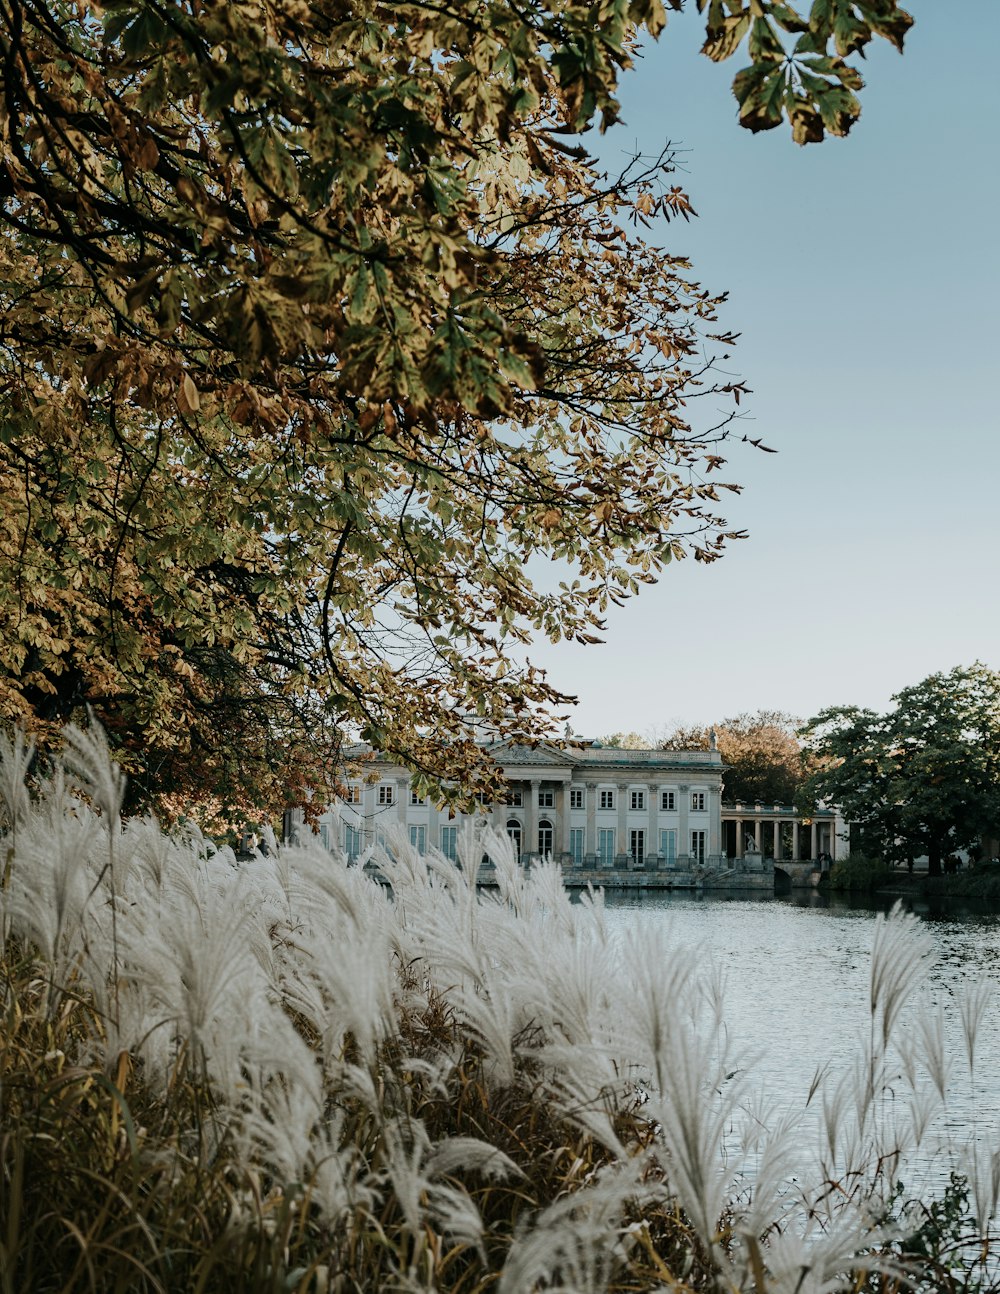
x=762, y=752
x=317, y=325
x=923, y=778
x=627, y=741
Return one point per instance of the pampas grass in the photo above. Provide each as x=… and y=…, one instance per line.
x=296, y=1074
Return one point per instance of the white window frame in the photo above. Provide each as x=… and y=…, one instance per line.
x=386, y=793
x=668, y=844
x=638, y=800
x=699, y=844
x=418, y=837
x=576, y=797
x=415, y=798
x=449, y=843
x=637, y=844
x=546, y=798
x=668, y=802
x=606, y=836
x=699, y=802
x=514, y=797
x=577, y=844
x=354, y=840
x=606, y=800
x=353, y=795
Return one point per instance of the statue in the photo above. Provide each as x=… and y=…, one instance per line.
x=750, y=846
x=713, y=741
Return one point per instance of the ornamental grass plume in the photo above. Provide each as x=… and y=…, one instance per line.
x=294, y=1073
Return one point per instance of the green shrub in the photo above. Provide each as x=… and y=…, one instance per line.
x=859, y=874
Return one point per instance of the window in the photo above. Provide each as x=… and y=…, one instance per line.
x=449, y=841
x=353, y=795
x=546, y=799
x=576, y=798
x=385, y=793
x=668, y=801
x=638, y=799
x=576, y=845
x=607, y=800
x=514, y=797
x=514, y=832
x=324, y=835
x=352, y=841
x=545, y=837
x=418, y=839
x=698, y=846
x=606, y=847
x=483, y=798
x=637, y=845
x=668, y=845
x=415, y=798
x=698, y=801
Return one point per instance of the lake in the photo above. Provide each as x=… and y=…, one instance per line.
x=796, y=973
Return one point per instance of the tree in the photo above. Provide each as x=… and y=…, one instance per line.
x=315, y=327
x=923, y=778
x=762, y=754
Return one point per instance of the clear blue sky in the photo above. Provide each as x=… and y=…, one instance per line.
x=864, y=277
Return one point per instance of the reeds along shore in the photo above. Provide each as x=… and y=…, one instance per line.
x=283, y=1075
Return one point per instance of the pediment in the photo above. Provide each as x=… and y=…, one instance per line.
x=513, y=752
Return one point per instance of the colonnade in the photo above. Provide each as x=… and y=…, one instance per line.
x=818, y=831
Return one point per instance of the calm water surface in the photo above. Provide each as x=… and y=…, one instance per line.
x=796, y=976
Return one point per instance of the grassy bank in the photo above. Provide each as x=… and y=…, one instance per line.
x=857, y=875
x=862, y=875
x=286, y=1074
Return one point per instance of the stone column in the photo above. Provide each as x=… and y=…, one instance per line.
x=794, y=855
x=684, y=835
x=652, y=838
x=560, y=840
x=530, y=846
x=590, y=842
x=433, y=834
x=813, y=849
x=777, y=840
x=402, y=801
x=739, y=839
x=714, y=821
x=621, y=838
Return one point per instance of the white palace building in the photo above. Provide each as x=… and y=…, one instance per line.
x=591, y=807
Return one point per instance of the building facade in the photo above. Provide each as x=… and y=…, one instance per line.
x=587, y=805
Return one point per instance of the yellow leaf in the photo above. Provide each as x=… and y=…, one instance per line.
x=188, y=397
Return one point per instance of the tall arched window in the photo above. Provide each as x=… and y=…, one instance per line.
x=545, y=837
x=514, y=832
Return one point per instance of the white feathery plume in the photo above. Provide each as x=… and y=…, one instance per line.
x=405, y=1145
x=924, y=1103
x=338, y=1177
x=277, y=1128
x=576, y=1245
x=901, y=951
x=983, y=1166
x=820, y=1259
x=972, y=1007
x=691, y=1099
x=471, y=1155
x=88, y=757
x=16, y=754
x=778, y=1162
x=930, y=1033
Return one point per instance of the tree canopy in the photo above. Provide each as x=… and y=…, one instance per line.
x=317, y=325
x=763, y=757
x=924, y=778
